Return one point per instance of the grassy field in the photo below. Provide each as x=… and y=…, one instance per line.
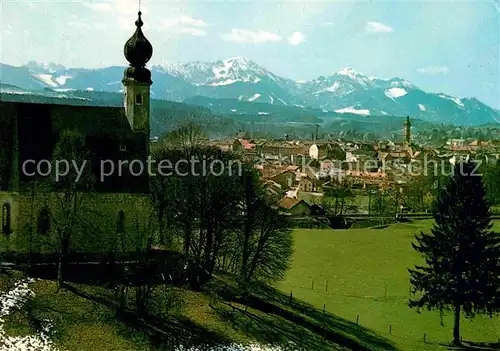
x=83, y=320
x=363, y=272
x=356, y=275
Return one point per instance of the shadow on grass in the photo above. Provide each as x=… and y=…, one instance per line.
x=93, y=283
x=272, y=317
x=469, y=345
x=272, y=329
x=85, y=310
x=161, y=333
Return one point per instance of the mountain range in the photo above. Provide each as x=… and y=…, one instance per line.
x=238, y=84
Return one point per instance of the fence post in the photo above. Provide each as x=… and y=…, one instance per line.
x=390, y=329
x=327, y=285
x=290, y=299
x=324, y=308
x=424, y=338
x=312, y=286
x=357, y=319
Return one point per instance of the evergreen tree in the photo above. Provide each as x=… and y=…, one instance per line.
x=462, y=254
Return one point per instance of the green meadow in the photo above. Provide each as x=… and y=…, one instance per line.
x=361, y=275
x=356, y=275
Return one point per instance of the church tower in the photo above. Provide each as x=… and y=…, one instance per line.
x=408, y=131
x=137, y=80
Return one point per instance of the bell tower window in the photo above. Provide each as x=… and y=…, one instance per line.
x=138, y=99
x=6, y=218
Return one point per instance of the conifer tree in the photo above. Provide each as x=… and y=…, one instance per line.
x=462, y=254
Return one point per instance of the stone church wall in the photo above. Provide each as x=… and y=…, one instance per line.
x=97, y=227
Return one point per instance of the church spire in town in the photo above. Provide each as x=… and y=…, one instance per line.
x=408, y=131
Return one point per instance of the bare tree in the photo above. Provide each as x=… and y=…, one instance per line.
x=223, y=220
x=265, y=239
x=69, y=193
x=271, y=249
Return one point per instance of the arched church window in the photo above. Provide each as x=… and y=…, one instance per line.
x=6, y=218
x=43, y=224
x=138, y=99
x=120, y=227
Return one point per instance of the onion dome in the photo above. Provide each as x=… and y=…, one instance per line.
x=138, y=50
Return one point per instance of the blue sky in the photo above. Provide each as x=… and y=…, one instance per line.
x=446, y=46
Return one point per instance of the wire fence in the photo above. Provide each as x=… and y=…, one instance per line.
x=328, y=288
x=396, y=330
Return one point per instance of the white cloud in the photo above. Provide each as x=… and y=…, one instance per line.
x=327, y=24
x=121, y=7
x=98, y=6
x=194, y=31
x=433, y=70
x=77, y=24
x=187, y=25
x=487, y=85
x=296, y=38
x=125, y=12
x=248, y=36
x=193, y=22
x=377, y=27
x=185, y=21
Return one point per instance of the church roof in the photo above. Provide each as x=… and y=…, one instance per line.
x=96, y=121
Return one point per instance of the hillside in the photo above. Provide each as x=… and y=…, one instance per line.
x=222, y=118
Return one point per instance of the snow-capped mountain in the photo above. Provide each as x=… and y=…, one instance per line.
x=345, y=91
x=219, y=73
x=348, y=91
x=234, y=78
x=49, y=67
x=347, y=81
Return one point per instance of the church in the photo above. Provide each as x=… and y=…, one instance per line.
x=29, y=133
